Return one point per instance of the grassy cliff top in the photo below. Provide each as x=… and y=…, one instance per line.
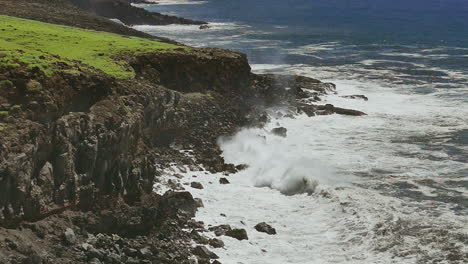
x=53, y=48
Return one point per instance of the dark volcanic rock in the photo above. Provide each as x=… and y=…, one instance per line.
x=196, y=185
x=265, y=228
x=356, y=96
x=329, y=109
x=220, y=230
x=280, y=131
x=238, y=233
x=216, y=243
x=223, y=181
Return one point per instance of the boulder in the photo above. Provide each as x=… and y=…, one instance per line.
x=216, y=243
x=238, y=233
x=69, y=236
x=196, y=185
x=279, y=131
x=265, y=228
x=223, y=181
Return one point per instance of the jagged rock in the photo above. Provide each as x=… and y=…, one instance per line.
x=196, y=185
x=69, y=236
x=238, y=233
x=216, y=243
x=280, y=131
x=223, y=181
x=203, y=252
x=265, y=228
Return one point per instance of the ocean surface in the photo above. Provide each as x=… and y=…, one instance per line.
x=389, y=187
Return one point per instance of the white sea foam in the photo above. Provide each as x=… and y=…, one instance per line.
x=339, y=218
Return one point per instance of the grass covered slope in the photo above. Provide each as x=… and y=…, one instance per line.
x=53, y=48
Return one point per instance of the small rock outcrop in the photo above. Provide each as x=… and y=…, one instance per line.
x=265, y=228
x=223, y=181
x=356, y=96
x=196, y=185
x=237, y=233
x=280, y=131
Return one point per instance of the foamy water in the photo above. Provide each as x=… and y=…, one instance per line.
x=346, y=218
x=389, y=187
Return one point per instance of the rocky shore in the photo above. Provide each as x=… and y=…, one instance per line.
x=81, y=150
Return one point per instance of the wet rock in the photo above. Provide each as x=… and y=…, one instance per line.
x=204, y=27
x=216, y=243
x=330, y=109
x=265, y=228
x=220, y=230
x=238, y=233
x=199, y=238
x=309, y=110
x=223, y=181
x=356, y=96
x=203, y=252
x=196, y=185
x=280, y=131
x=215, y=262
x=69, y=236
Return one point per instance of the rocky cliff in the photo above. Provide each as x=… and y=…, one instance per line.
x=81, y=146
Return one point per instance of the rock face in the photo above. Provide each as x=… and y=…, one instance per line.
x=88, y=142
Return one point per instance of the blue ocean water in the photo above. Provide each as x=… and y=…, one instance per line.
x=419, y=39
x=410, y=57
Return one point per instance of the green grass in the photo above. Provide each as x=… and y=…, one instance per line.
x=53, y=48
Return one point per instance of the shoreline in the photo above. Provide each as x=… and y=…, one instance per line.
x=82, y=145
